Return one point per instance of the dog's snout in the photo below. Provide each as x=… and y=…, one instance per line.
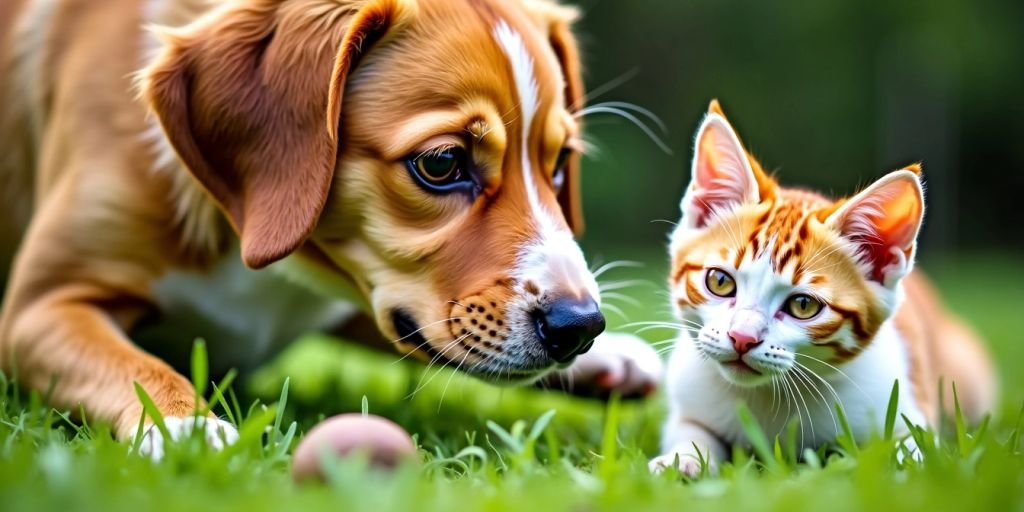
x=568, y=326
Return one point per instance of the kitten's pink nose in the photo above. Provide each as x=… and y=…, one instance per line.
x=743, y=342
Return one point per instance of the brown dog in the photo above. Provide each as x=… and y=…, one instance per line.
x=416, y=160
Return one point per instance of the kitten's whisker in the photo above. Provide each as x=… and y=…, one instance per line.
x=824, y=402
x=824, y=381
x=807, y=373
x=810, y=416
x=776, y=404
x=837, y=370
x=792, y=392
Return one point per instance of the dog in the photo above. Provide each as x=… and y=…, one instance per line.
x=249, y=170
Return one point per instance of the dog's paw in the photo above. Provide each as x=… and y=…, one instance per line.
x=617, y=363
x=218, y=434
x=687, y=464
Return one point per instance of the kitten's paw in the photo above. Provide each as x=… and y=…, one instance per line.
x=617, y=363
x=687, y=464
x=218, y=434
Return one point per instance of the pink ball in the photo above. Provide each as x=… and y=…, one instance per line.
x=384, y=442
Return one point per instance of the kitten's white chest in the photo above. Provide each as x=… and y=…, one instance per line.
x=698, y=392
x=244, y=315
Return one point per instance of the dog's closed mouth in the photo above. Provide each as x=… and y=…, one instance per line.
x=409, y=333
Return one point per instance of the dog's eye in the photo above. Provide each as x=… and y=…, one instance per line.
x=558, y=178
x=441, y=166
x=441, y=171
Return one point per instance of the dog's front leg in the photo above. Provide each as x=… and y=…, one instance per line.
x=71, y=297
x=617, y=363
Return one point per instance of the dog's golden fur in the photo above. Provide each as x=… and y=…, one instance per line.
x=294, y=118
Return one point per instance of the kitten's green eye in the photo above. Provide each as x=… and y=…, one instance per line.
x=802, y=307
x=720, y=283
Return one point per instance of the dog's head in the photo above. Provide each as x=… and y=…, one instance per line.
x=424, y=149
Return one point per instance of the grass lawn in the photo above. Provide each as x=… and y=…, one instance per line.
x=496, y=449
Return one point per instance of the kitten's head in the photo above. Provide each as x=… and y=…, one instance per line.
x=769, y=278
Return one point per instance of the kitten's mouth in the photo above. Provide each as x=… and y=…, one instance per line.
x=740, y=366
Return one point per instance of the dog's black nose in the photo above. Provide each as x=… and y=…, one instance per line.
x=567, y=327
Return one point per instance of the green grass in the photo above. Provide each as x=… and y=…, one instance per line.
x=495, y=449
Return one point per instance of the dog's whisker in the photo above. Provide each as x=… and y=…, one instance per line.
x=605, y=88
x=631, y=118
x=634, y=108
x=431, y=324
x=450, y=377
x=623, y=297
x=440, y=355
x=599, y=271
x=614, y=309
x=618, y=285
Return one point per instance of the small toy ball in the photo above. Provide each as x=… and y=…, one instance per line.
x=385, y=443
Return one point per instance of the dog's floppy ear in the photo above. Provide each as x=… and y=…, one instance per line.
x=249, y=96
x=558, y=20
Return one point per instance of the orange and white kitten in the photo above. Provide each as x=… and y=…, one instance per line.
x=791, y=302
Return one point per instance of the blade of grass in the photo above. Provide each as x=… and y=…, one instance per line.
x=200, y=370
x=890, y=413
x=282, y=402
x=540, y=425
x=1014, y=441
x=218, y=395
x=609, y=438
x=847, y=441
x=756, y=436
x=961, y=424
x=149, y=408
x=250, y=432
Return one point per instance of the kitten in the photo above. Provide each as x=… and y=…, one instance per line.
x=791, y=302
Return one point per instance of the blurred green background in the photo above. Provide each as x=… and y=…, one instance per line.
x=829, y=94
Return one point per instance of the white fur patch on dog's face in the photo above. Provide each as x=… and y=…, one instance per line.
x=554, y=260
x=522, y=64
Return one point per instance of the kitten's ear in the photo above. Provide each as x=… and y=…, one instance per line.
x=722, y=174
x=883, y=222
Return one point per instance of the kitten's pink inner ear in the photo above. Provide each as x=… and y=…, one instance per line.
x=882, y=220
x=722, y=177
